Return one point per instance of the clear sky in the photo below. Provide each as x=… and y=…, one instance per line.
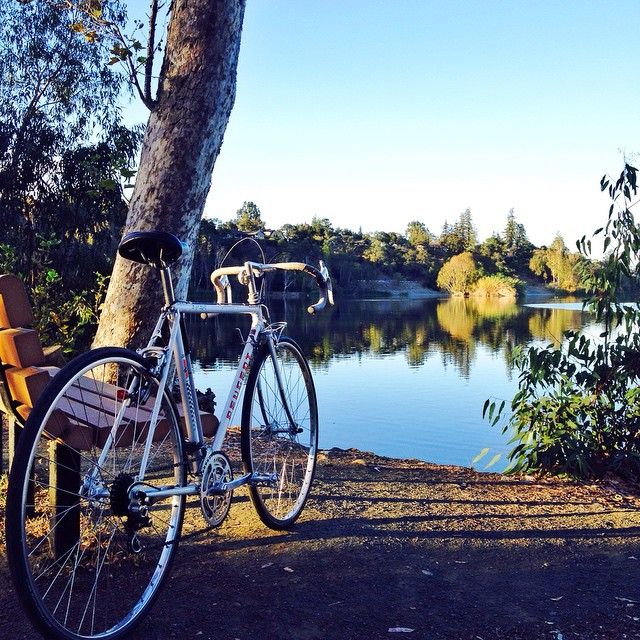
x=374, y=113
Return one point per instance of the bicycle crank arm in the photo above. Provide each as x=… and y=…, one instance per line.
x=253, y=479
x=150, y=495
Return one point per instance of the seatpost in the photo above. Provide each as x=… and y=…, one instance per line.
x=167, y=285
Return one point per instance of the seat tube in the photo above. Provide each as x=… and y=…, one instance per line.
x=184, y=372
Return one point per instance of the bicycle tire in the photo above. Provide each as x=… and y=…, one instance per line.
x=270, y=444
x=85, y=564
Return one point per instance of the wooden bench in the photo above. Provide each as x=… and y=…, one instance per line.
x=25, y=367
x=80, y=421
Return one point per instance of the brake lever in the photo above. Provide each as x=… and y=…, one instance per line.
x=324, y=272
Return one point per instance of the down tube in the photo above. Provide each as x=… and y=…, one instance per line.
x=239, y=380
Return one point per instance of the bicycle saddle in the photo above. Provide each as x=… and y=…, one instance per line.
x=156, y=248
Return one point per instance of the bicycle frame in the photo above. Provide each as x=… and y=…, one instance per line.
x=177, y=349
x=184, y=369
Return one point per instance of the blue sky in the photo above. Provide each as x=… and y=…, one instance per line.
x=375, y=113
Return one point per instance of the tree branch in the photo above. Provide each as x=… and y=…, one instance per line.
x=114, y=31
x=151, y=46
x=133, y=72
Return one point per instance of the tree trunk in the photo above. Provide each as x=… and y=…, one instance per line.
x=181, y=143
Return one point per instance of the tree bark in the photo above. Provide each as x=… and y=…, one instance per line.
x=181, y=143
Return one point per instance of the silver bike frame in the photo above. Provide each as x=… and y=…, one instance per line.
x=172, y=314
x=184, y=371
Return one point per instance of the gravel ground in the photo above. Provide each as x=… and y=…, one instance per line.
x=399, y=548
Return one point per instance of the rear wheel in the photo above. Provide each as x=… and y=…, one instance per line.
x=280, y=433
x=86, y=554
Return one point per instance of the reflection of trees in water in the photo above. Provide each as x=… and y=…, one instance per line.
x=452, y=328
x=550, y=324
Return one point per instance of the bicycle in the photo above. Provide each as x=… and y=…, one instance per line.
x=101, y=474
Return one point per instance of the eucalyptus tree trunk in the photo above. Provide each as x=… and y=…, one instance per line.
x=182, y=141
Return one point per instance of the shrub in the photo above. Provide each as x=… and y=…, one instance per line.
x=577, y=409
x=497, y=286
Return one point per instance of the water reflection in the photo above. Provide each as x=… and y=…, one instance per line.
x=452, y=328
x=402, y=378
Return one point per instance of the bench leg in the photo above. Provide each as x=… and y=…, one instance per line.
x=64, y=482
x=2, y=442
x=14, y=433
x=15, y=430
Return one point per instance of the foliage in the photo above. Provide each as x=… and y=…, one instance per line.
x=577, y=409
x=492, y=255
x=101, y=21
x=64, y=318
x=465, y=229
x=518, y=248
x=249, y=219
x=52, y=78
x=64, y=161
x=458, y=274
x=562, y=268
x=497, y=286
x=357, y=260
x=418, y=235
x=459, y=237
x=385, y=248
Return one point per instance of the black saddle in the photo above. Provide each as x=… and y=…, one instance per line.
x=155, y=248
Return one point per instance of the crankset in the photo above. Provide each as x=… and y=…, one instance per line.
x=214, y=501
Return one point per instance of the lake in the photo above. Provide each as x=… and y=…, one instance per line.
x=402, y=378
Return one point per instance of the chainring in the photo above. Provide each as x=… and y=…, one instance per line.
x=215, y=506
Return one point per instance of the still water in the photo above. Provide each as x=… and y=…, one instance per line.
x=402, y=378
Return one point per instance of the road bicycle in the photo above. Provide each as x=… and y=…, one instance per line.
x=106, y=461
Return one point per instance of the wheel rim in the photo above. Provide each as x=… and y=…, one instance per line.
x=95, y=579
x=283, y=451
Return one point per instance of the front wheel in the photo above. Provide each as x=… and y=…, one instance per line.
x=87, y=553
x=280, y=432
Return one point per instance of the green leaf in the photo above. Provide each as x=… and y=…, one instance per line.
x=481, y=455
x=494, y=460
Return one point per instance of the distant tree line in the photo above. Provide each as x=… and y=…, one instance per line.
x=453, y=261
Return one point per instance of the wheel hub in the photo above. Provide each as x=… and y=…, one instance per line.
x=120, y=500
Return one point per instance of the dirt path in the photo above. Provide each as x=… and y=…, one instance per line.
x=386, y=544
